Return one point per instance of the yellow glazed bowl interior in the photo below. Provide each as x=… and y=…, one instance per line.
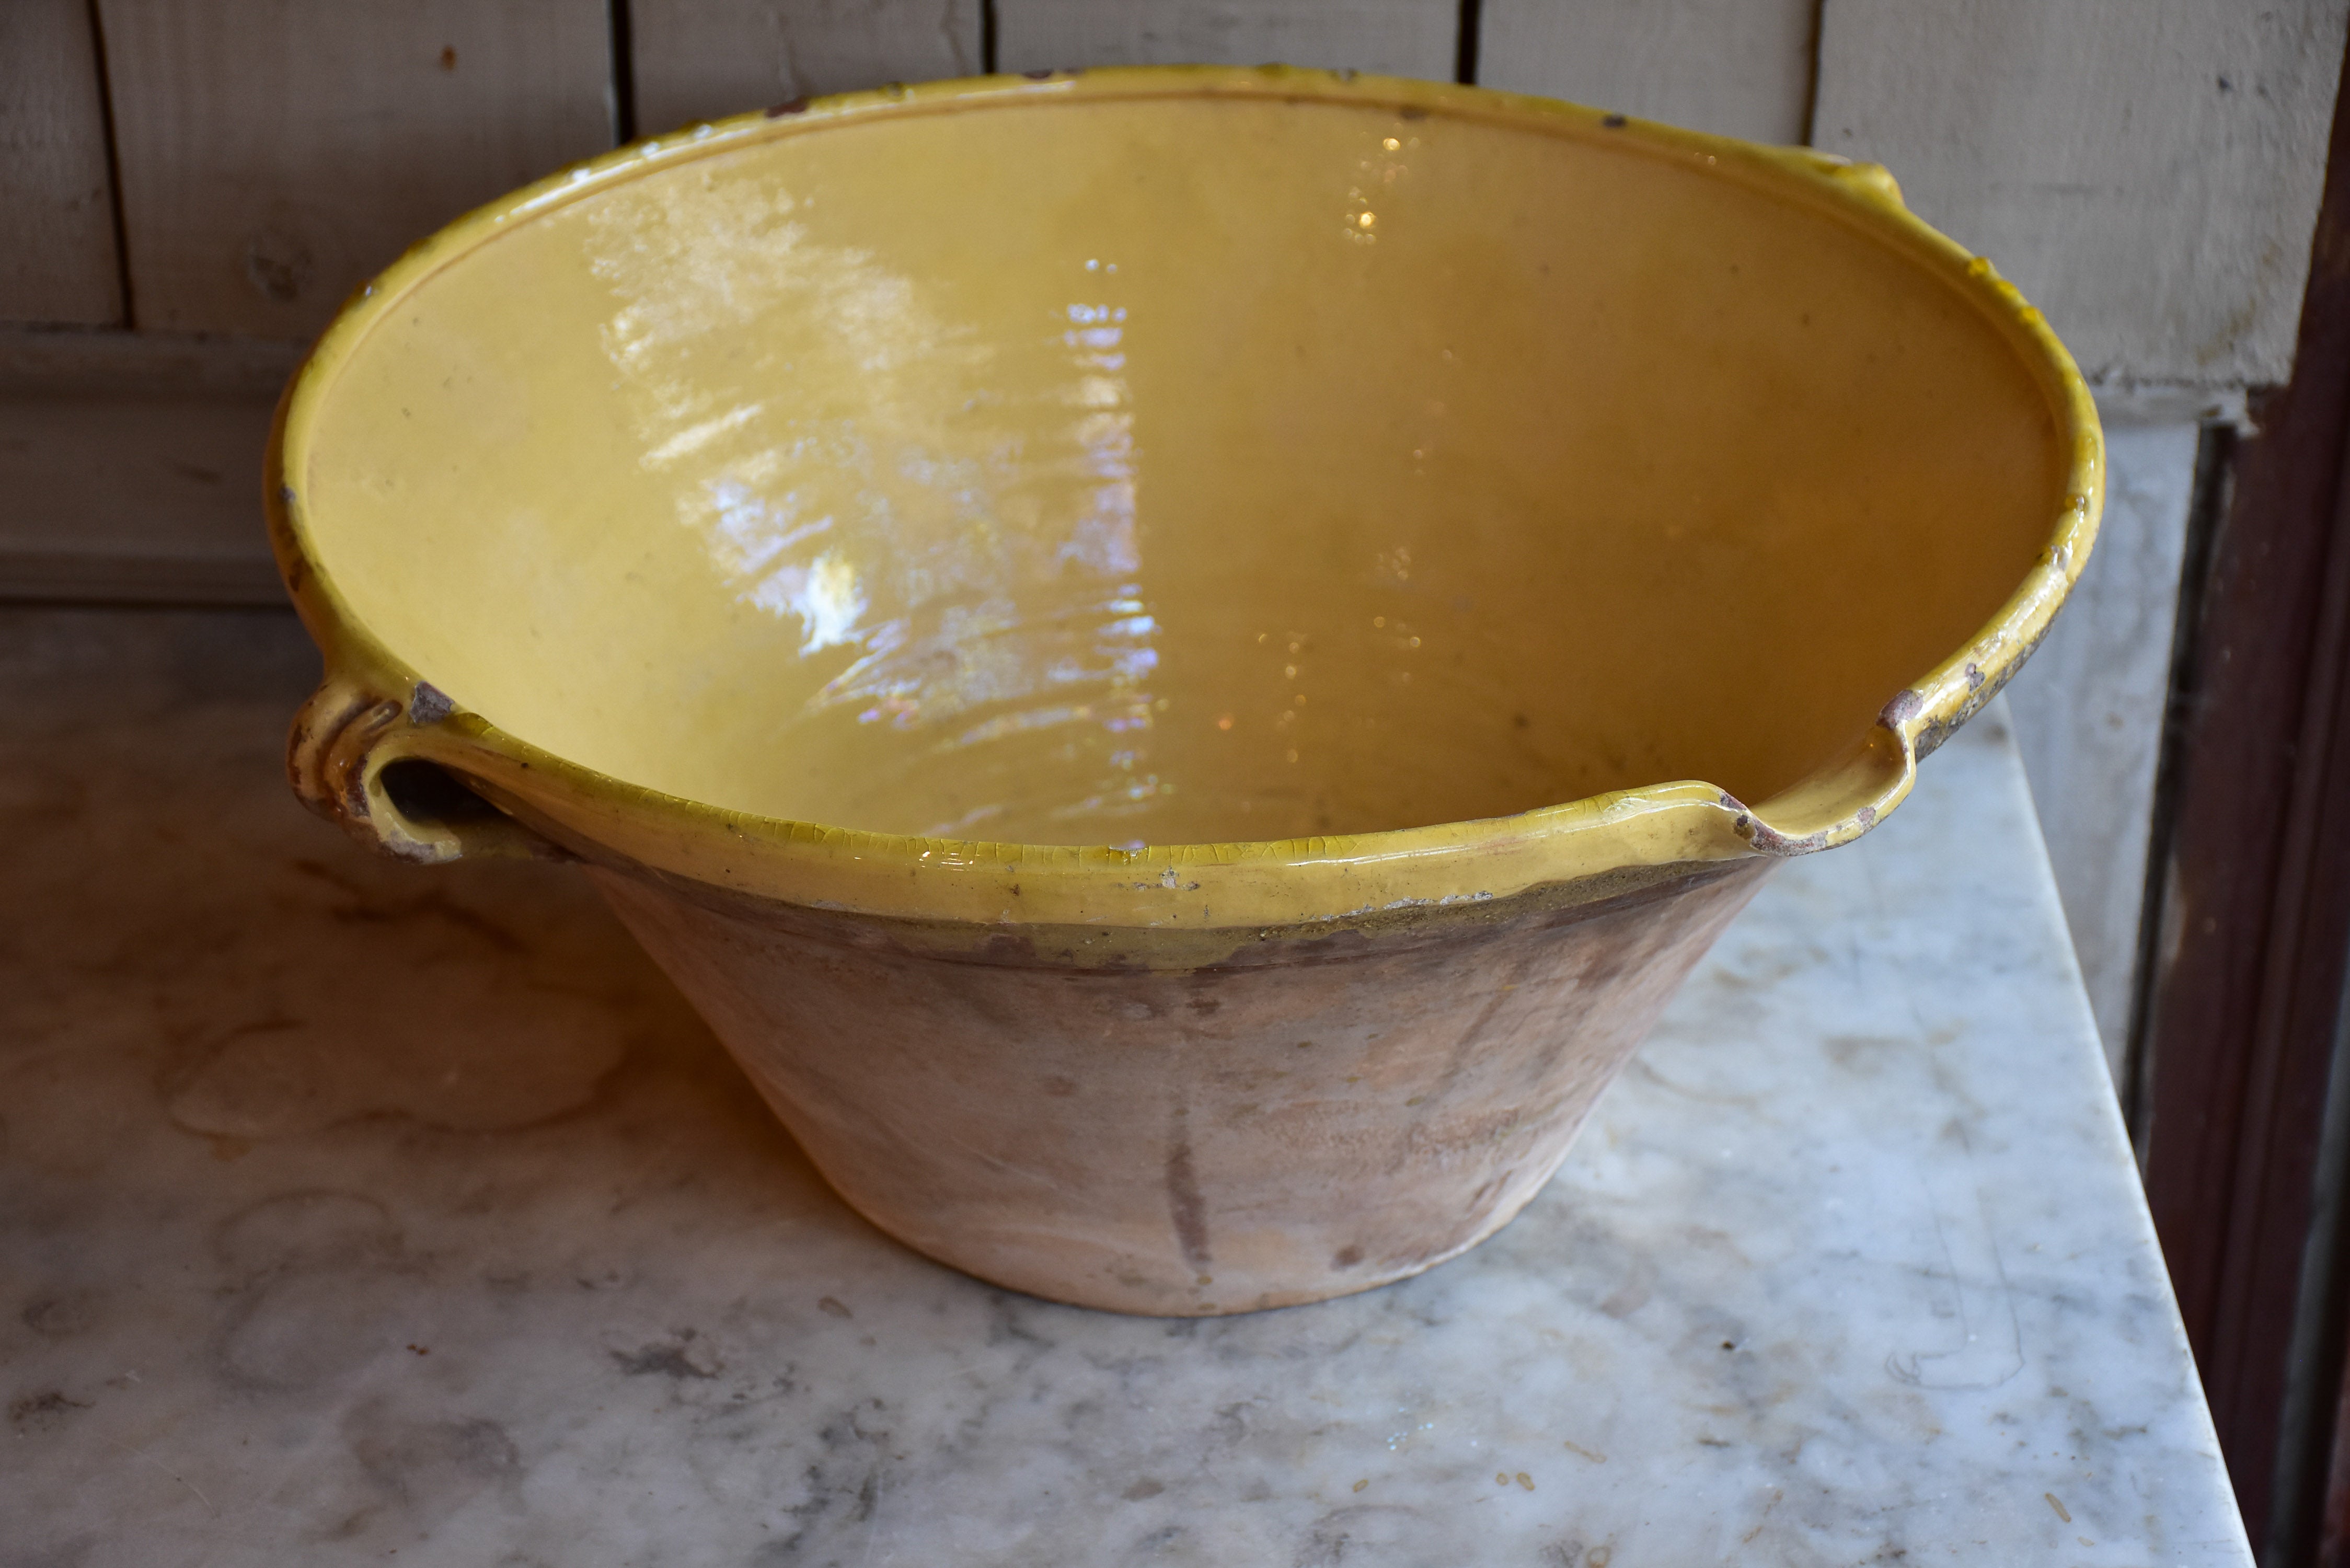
x=1298, y=468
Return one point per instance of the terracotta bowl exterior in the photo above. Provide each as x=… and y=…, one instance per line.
x=1179, y=660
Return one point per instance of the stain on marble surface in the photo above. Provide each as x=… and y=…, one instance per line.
x=349, y=1208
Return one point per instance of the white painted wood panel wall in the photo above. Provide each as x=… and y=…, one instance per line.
x=702, y=59
x=1396, y=37
x=274, y=153
x=1736, y=68
x=2146, y=170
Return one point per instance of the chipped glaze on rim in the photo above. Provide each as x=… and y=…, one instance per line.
x=372, y=709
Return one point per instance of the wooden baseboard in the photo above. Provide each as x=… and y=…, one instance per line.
x=42, y=361
x=133, y=475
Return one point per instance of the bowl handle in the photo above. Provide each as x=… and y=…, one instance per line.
x=391, y=774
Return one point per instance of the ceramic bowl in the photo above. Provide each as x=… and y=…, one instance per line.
x=1179, y=660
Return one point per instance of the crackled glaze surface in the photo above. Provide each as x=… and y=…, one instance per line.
x=1850, y=1265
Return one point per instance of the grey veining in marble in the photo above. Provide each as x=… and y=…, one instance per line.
x=348, y=1209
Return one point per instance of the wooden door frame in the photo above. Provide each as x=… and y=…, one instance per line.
x=2249, y=921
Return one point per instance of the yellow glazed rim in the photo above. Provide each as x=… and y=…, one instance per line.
x=373, y=711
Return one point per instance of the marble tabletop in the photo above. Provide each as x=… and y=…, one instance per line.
x=353, y=1212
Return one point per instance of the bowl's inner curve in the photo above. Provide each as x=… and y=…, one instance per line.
x=1180, y=471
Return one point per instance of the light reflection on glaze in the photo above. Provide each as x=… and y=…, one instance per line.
x=938, y=580
x=955, y=562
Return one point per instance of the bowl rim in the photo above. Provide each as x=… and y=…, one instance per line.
x=372, y=709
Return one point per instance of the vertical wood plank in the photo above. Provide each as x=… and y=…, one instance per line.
x=56, y=245
x=1396, y=37
x=274, y=153
x=698, y=59
x=2146, y=170
x=1736, y=68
